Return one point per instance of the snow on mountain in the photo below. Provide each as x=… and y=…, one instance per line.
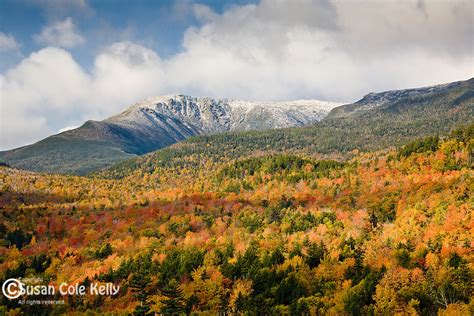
x=207, y=115
x=378, y=100
x=156, y=123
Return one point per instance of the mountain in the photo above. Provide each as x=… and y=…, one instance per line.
x=156, y=123
x=378, y=120
x=397, y=99
x=182, y=116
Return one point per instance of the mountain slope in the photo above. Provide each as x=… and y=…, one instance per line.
x=378, y=120
x=156, y=123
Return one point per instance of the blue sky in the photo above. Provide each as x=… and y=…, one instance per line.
x=159, y=24
x=64, y=62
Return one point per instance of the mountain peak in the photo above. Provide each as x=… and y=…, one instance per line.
x=210, y=115
x=176, y=99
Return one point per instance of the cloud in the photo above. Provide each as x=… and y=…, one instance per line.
x=335, y=50
x=123, y=73
x=329, y=50
x=8, y=43
x=181, y=10
x=51, y=90
x=61, y=34
x=434, y=27
x=42, y=90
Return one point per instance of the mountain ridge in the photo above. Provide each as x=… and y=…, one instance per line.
x=155, y=123
x=391, y=124
x=378, y=120
x=211, y=115
x=379, y=99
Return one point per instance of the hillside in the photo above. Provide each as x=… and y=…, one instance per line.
x=379, y=120
x=156, y=123
x=385, y=233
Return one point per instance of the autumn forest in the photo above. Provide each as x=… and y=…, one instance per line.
x=385, y=232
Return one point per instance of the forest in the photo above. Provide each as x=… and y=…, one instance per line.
x=377, y=232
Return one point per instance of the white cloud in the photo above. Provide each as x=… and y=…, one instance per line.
x=42, y=90
x=335, y=50
x=61, y=34
x=330, y=50
x=123, y=73
x=51, y=90
x=8, y=43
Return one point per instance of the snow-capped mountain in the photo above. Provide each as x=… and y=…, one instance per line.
x=156, y=123
x=193, y=115
x=378, y=120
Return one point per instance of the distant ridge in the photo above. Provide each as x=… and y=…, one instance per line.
x=377, y=121
x=387, y=98
x=156, y=123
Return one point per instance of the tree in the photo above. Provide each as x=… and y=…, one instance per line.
x=104, y=251
x=139, y=284
x=174, y=304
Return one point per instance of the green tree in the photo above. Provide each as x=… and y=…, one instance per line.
x=174, y=304
x=139, y=283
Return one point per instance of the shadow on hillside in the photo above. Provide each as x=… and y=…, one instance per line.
x=10, y=198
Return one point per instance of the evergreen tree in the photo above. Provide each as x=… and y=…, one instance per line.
x=174, y=304
x=139, y=283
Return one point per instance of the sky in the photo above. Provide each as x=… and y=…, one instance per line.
x=64, y=62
